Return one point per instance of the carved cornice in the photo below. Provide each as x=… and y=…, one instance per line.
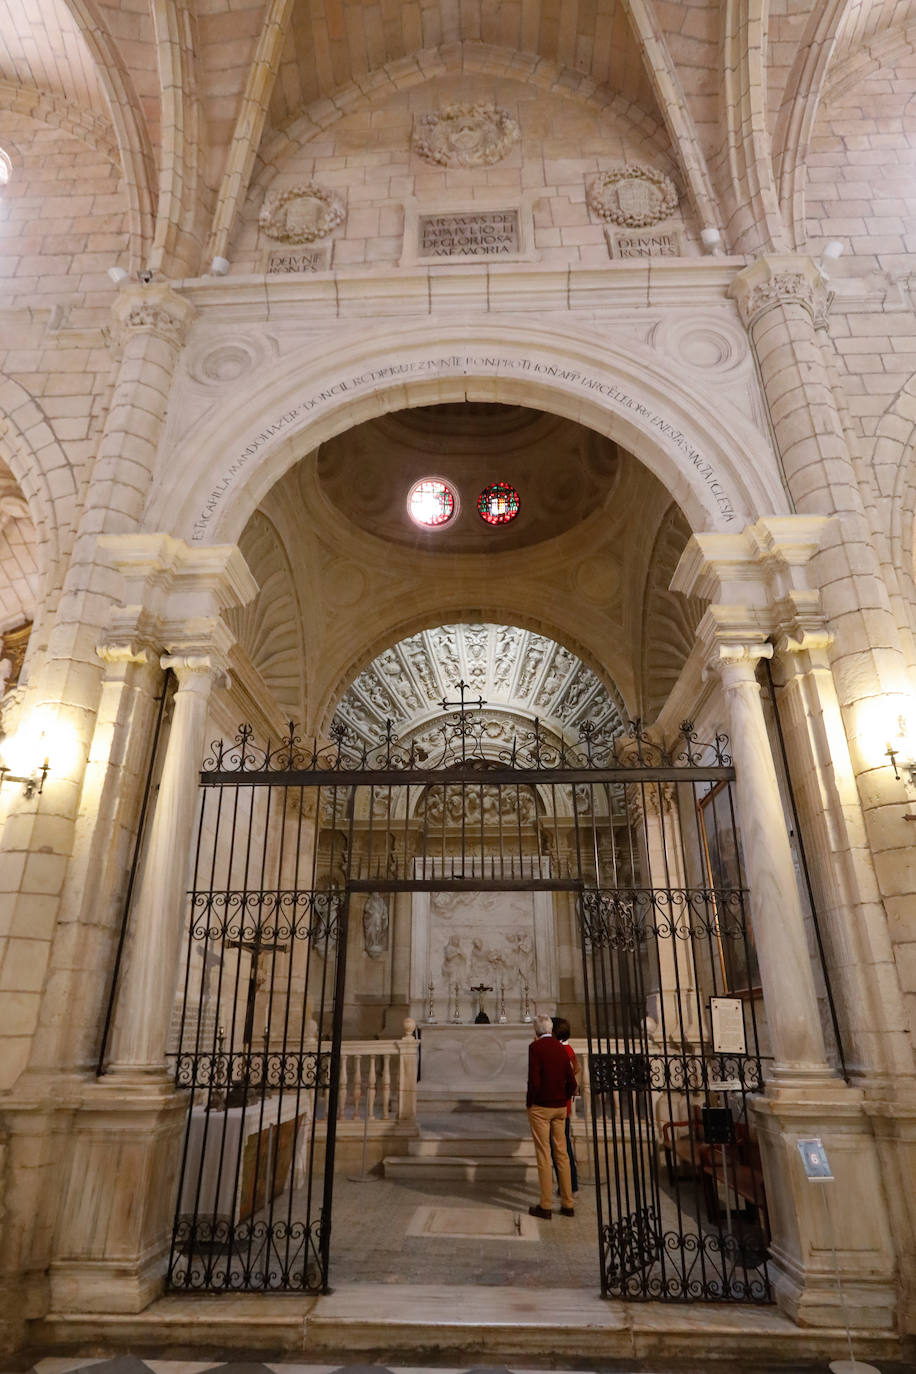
x=783, y=279
x=759, y=567
x=174, y=596
x=151, y=310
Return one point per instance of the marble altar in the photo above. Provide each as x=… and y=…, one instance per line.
x=481, y=1066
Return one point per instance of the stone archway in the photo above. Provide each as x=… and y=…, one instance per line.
x=244, y=438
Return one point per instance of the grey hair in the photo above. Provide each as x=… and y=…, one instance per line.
x=543, y=1025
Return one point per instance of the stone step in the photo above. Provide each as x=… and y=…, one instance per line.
x=459, y=1168
x=469, y=1146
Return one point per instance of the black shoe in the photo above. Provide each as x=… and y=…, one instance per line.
x=543, y=1212
x=567, y=1211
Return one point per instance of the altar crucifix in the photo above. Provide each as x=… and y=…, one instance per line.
x=255, y=948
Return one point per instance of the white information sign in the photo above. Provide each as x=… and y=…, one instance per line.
x=727, y=1025
x=724, y=1085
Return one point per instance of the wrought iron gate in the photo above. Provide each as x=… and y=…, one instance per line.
x=643, y=844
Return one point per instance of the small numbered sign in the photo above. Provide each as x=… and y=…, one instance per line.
x=814, y=1158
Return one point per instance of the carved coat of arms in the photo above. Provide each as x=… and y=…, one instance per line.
x=633, y=195
x=466, y=135
x=302, y=214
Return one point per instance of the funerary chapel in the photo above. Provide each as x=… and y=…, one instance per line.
x=457, y=485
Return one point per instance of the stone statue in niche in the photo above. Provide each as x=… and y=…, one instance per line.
x=633, y=195
x=466, y=135
x=302, y=214
x=375, y=925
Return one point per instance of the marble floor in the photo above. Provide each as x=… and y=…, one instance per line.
x=33, y=1362
x=403, y=1229
x=373, y=1220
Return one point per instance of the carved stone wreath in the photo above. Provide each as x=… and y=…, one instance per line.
x=633, y=195
x=466, y=135
x=302, y=214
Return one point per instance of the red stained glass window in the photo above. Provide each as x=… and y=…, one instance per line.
x=431, y=502
x=498, y=504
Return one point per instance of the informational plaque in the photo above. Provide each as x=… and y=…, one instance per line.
x=644, y=243
x=299, y=260
x=727, y=1015
x=814, y=1158
x=469, y=234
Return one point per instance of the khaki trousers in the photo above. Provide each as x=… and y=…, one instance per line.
x=548, y=1130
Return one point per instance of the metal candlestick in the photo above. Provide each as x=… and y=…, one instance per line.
x=430, y=1004
x=526, y=1005
x=501, y=1016
x=217, y=1099
x=456, y=1014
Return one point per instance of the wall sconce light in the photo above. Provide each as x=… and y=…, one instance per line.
x=902, y=748
x=32, y=783
x=908, y=766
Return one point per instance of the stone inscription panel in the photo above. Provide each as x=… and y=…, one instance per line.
x=645, y=243
x=473, y=234
x=298, y=260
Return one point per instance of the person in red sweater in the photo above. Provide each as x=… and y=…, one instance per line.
x=551, y=1083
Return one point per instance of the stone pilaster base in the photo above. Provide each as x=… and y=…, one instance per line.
x=894, y=1124
x=807, y=1219
x=117, y=1205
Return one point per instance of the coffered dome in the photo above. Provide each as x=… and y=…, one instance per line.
x=519, y=674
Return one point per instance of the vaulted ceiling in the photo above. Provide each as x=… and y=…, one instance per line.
x=195, y=97
x=516, y=672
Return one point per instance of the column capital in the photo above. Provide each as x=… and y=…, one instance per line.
x=113, y=651
x=780, y=279
x=735, y=659
x=152, y=309
x=197, y=670
x=801, y=629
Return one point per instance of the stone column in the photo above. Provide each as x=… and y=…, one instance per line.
x=780, y=298
x=399, y=1005
x=41, y=834
x=150, y=975
x=754, y=581
x=654, y=813
x=859, y=949
x=117, y=1193
x=779, y=923
x=858, y=946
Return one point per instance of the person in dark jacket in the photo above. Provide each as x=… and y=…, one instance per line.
x=561, y=1031
x=551, y=1083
